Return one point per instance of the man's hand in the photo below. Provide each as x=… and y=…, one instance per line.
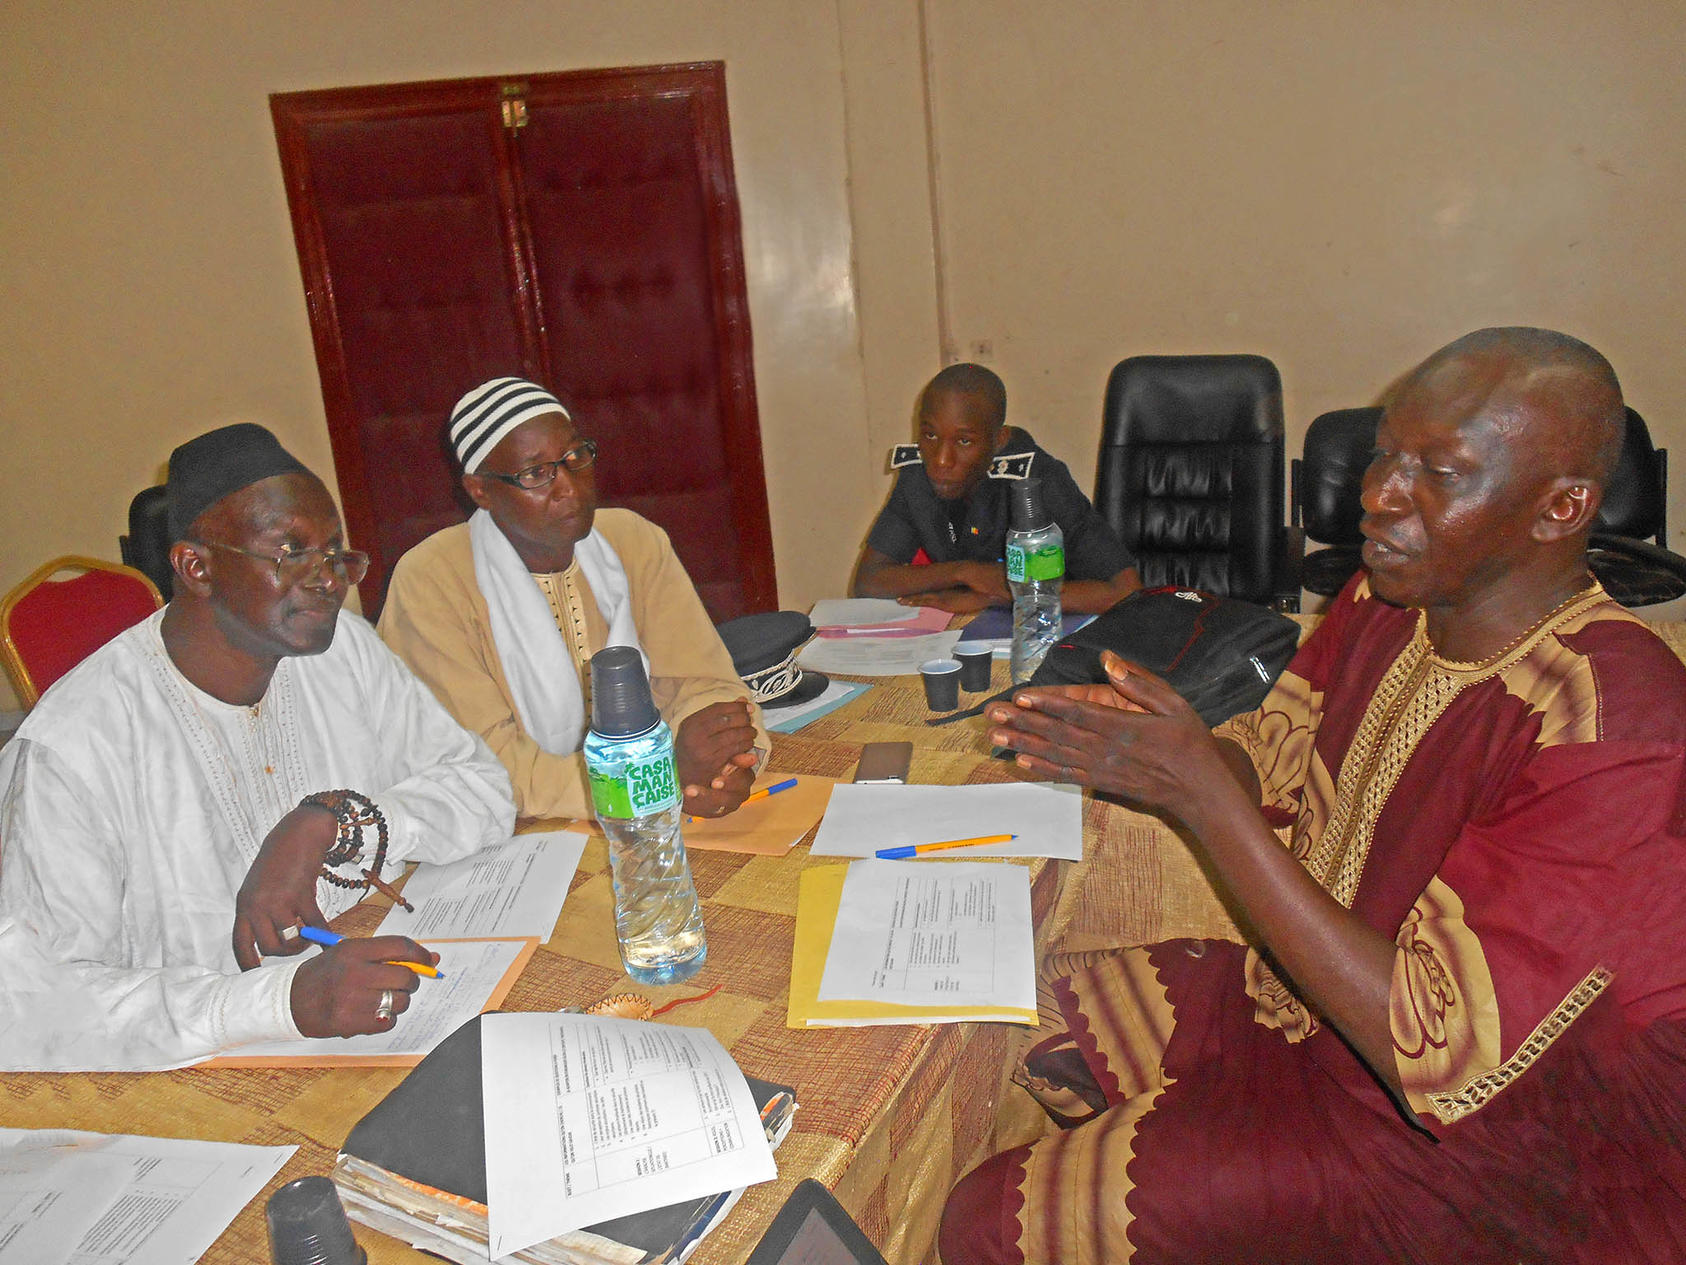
x=1135, y=737
x=714, y=752
x=987, y=578
x=280, y=889
x=338, y=992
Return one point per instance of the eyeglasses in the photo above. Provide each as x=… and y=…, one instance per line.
x=577, y=458
x=294, y=566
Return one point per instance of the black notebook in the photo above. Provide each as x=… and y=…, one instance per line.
x=431, y=1129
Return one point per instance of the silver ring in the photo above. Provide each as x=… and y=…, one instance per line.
x=384, y=1010
x=289, y=933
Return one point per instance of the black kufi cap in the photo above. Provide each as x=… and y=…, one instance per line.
x=206, y=469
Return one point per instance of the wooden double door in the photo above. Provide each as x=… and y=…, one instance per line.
x=580, y=229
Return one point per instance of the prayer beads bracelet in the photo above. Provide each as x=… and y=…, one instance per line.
x=353, y=811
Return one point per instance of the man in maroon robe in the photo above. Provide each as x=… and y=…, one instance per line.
x=1457, y=1030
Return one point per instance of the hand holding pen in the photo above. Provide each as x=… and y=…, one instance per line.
x=763, y=793
x=358, y=985
x=317, y=935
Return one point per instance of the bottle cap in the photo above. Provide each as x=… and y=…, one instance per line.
x=1028, y=511
x=620, y=693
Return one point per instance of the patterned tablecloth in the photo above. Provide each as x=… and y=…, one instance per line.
x=890, y=1117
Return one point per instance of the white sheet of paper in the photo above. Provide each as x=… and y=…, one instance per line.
x=598, y=1118
x=514, y=888
x=118, y=1199
x=933, y=935
x=471, y=969
x=876, y=656
x=846, y=612
x=787, y=720
x=1046, y=816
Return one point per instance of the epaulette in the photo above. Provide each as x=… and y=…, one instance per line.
x=1012, y=466
x=905, y=455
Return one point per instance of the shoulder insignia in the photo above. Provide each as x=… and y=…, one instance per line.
x=1012, y=466
x=905, y=455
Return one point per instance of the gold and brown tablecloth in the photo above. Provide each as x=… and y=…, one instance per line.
x=890, y=1116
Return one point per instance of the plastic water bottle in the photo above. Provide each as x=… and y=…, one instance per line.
x=1035, y=571
x=636, y=793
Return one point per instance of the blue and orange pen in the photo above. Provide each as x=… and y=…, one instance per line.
x=765, y=791
x=316, y=935
x=920, y=849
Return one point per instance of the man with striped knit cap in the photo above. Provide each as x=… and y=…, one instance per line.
x=500, y=615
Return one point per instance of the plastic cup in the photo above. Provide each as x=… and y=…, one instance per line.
x=307, y=1226
x=942, y=684
x=620, y=693
x=977, y=661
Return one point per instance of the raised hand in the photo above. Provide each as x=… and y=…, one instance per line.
x=279, y=891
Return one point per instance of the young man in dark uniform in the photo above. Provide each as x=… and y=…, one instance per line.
x=941, y=537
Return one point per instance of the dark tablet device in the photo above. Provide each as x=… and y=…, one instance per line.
x=813, y=1229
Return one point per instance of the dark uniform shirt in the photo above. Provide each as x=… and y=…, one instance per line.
x=975, y=530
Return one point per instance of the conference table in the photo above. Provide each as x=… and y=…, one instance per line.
x=890, y=1117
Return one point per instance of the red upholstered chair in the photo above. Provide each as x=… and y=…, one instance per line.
x=48, y=625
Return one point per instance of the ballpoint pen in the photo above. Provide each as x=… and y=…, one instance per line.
x=765, y=791
x=920, y=849
x=318, y=936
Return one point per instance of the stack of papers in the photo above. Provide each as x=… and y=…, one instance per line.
x=859, y=612
x=882, y=942
x=876, y=656
x=602, y=1118
x=872, y=636
x=916, y=621
x=627, y=1115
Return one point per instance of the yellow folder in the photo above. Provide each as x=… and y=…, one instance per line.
x=817, y=901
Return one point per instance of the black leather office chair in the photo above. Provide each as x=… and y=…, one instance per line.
x=1191, y=475
x=1629, y=548
x=1627, y=552
x=1325, y=485
x=147, y=546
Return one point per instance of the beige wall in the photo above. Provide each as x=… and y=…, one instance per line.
x=1339, y=186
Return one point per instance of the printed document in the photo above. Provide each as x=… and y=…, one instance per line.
x=476, y=974
x=950, y=935
x=74, y=1198
x=515, y=888
x=875, y=656
x=598, y=1118
x=1047, y=817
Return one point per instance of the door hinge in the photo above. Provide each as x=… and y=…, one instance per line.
x=514, y=106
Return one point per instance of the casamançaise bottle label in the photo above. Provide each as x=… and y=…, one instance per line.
x=643, y=788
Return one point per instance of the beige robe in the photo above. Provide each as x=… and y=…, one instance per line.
x=436, y=619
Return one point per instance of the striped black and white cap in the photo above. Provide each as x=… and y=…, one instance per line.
x=493, y=409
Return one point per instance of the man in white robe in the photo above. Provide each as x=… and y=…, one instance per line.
x=153, y=844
